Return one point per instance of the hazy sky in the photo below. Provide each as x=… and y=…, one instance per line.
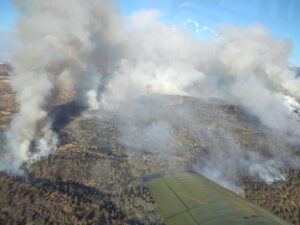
x=282, y=17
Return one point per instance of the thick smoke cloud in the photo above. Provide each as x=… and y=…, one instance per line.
x=204, y=131
x=245, y=66
x=60, y=42
x=109, y=63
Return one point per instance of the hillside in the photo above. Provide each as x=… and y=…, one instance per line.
x=94, y=176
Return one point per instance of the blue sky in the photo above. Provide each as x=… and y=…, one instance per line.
x=282, y=17
x=7, y=15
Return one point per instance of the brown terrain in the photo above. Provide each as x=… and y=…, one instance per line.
x=94, y=178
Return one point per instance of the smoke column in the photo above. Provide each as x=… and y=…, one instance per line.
x=109, y=62
x=58, y=42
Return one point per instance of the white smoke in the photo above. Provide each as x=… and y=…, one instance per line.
x=227, y=161
x=85, y=44
x=245, y=66
x=141, y=138
x=58, y=38
x=268, y=171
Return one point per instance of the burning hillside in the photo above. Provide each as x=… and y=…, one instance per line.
x=98, y=102
x=103, y=157
x=106, y=63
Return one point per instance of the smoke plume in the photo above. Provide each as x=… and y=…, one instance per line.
x=61, y=41
x=110, y=63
